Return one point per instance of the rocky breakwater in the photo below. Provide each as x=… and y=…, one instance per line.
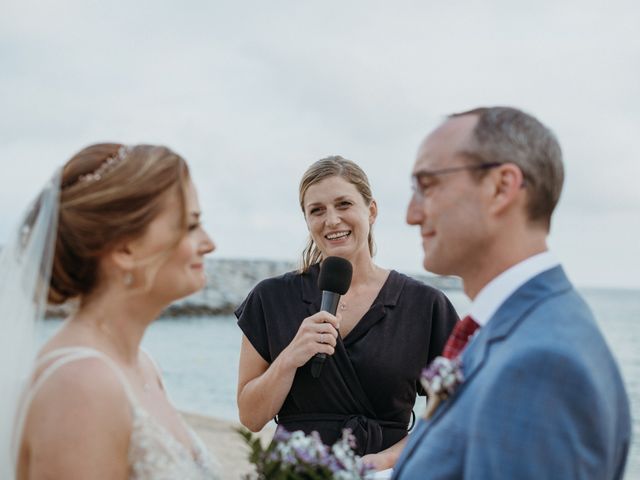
x=230, y=280
x=228, y=283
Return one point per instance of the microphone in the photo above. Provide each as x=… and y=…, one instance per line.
x=334, y=280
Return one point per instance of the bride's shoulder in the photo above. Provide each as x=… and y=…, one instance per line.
x=75, y=386
x=78, y=419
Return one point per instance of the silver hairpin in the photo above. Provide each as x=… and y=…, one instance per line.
x=106, y=166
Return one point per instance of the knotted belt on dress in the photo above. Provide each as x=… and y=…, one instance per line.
x=368, y=432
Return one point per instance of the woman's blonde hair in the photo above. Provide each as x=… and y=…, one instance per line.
x=110, y=193
x=334, y=166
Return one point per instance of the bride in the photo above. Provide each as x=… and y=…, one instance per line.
x=118, y=233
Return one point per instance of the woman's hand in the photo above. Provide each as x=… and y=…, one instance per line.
x=379, y=461
x=386, y=458
x=263, y=387
x=317, y=334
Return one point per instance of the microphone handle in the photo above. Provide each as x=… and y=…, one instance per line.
x=329, y=304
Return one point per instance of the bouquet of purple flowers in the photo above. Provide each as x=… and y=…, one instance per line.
x=296, y=456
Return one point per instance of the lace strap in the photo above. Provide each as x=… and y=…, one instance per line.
x=58, y=352
x=70, y=354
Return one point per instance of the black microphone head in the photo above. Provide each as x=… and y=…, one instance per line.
x=335, y=275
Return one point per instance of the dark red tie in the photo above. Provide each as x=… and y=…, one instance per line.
x=459, y=337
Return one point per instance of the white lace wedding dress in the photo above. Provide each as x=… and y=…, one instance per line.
x=154, y=453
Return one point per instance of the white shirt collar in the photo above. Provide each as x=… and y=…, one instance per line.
x=496, y=292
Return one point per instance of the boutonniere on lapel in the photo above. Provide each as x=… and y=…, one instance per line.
x=440, y=379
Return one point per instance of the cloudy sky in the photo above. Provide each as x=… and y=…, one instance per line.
x=252, y=92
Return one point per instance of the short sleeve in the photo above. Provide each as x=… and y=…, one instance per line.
x=252, y=322
x=443, y=319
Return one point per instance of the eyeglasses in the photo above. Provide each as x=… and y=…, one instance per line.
x=419, y=189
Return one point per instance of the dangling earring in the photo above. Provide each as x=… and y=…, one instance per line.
x=128, y=279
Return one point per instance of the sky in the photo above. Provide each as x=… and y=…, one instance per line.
x=251, y=93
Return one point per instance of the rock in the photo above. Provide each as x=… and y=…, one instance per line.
x=229, y=282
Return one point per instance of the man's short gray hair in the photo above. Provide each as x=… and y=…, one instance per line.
x=508, y=135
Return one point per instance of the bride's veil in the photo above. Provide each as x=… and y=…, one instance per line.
x=25, y=269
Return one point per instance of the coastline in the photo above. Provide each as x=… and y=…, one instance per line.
x=224, y=443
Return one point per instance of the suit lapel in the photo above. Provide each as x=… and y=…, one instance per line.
x=507, y=318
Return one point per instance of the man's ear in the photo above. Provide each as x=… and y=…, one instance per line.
x=507, y=186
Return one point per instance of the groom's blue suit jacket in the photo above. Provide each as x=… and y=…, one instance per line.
x=542, y=398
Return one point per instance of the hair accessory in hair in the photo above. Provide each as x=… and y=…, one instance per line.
x=106, y=166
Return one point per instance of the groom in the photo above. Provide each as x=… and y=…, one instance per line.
x=542, y=396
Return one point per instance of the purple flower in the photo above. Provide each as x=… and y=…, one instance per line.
x=297, y=455
x=441, y=379
x=442, y=376
x=281, y=435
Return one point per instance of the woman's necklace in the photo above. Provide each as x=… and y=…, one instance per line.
x=344, y=305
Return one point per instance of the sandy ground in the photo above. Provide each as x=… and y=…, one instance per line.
x=229, y=449
x=224, y=443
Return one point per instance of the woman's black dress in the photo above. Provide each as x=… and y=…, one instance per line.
x=370, y=383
